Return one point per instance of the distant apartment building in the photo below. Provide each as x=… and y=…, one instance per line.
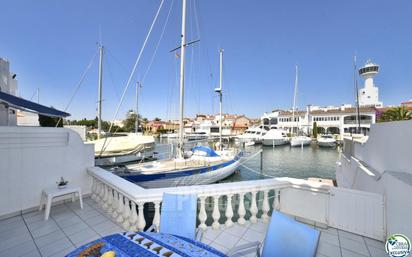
x=329, y=120
x=332, y=119
x=407, y=104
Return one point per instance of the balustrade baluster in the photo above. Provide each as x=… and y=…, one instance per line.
x=265, y=207
x=202, y=213
x=241, y=211
x=229, y=212
x=141, y=220
x=133, y=217
x=110, y=200
x=276, y=201
x=105, y=195
x=156, y=218
x=115, y=204
x=216, y=212
x=120, y=209
x=94, y=185
x=98, y=192
x=101, y=195
x=126, y=213
x=253, y=208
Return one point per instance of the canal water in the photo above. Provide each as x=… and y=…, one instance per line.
x=281, y=161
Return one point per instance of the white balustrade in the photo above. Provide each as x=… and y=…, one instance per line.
x=229, y=212
x=125, y=201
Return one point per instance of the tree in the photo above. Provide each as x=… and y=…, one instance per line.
x=157, y=119
x=395, y=114
x=129, y=124
x=46, y=121
x=315, y=130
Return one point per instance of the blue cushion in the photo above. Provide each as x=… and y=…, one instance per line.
x=178, y=215
x=288, y=238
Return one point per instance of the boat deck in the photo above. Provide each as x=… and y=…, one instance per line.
x=69, y=227
x=166, y=166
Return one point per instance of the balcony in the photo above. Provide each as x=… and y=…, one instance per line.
x=69, y=227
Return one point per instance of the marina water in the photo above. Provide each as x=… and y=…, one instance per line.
x=280, y=161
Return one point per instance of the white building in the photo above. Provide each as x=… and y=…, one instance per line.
x=369, y=94
x=333, y=120
x=8, y=84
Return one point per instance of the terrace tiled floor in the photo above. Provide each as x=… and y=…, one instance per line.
x=68, y=227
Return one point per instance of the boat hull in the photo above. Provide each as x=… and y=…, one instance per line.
x=327, y=143
x=199, y=176
x=274, y=142
x=300, y=142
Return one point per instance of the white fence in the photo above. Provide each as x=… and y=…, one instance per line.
x=240, y=201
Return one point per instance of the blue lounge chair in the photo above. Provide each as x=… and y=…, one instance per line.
x=178, y=216
x=285, y=237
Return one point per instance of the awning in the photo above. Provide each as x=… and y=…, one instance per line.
x=25, y=105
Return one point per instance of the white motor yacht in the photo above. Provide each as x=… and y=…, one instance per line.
x=275, y=137
x=326, y=141
x=300, y=141
x=252, y=134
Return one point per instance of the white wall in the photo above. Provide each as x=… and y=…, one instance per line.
x=33, y=158
x=388, y=171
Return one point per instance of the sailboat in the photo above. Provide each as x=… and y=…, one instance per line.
x=118, y=148
x=300, y=139
x=201, y=165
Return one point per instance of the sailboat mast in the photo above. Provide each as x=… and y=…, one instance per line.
x=182, y=79
x=137, y=108
x=99, y=103
x=355, y=81
x=294, y=97
x=220, y=96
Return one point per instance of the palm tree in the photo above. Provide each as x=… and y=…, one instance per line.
x=395, y=114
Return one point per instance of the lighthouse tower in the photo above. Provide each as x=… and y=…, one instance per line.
x=369, y=94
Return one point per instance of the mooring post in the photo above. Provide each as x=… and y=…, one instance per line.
x=261, y=160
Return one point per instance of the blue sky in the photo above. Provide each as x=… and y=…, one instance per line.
x=49, y=43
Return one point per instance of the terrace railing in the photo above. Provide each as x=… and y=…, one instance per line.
x=220, y=204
